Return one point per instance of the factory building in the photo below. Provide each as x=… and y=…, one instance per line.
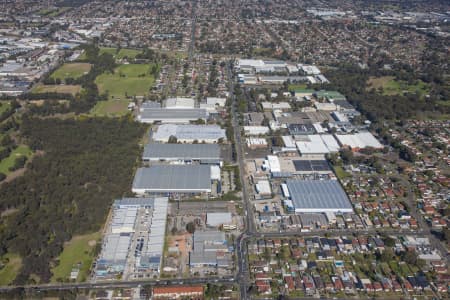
x=189, y=133
x=216, y=219
x=172, y=115
x=318, y=196
x=358, y=141
x=318, y=144
x=173, y=179
x=180, y=103
x=203, y=153
x=210, y=249
x=121, y=232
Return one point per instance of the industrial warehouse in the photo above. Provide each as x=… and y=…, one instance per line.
x=174, y=179
x=189, y=133
x=317, y=196
x=203, y=153
x=133, y=244
x=210, y=250
x=168, y=115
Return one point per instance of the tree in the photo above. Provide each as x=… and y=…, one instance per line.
x=19, y=163
x=82, y=156
x=389, y=242
x=172, y=139
x=190, y=227
x=346, y=155
x=410, y=257
x=387, y=255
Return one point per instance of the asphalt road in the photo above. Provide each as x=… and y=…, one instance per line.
x=241, y=247
x=120, y=284
x=193, y=26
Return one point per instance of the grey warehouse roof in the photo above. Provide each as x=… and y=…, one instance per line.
x=318, y=196
x=173, y=178
x=164, y=113
x=181, y=151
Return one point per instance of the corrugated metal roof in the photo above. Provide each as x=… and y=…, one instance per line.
x=318, y=195
x=194, y=132
x=217, y=219
x=173, y=178
x=164, y=113
x=154, y=151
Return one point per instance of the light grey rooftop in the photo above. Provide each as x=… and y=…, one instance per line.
x=181, y=151
x=164, y=113
x=173, y=178
x=318, y=194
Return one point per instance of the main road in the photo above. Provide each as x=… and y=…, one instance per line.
x=243, y=275
x=118, y=284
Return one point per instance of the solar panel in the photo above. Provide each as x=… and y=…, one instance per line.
x=311, y=165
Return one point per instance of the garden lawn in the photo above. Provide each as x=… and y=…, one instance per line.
x=341, y=173
x=297, y=86
x=127, y=80
x=80, y=249
x=71, y=70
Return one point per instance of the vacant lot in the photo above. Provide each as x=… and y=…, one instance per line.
x=8, y=162
x=9, y=267
x=64, y=88
x=112, y=108
x=72, y=70
x=78, y=251
x=392, y=87
x=127, y=80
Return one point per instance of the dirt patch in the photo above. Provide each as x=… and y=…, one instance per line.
x=180, y=242
x=9, y=212
x=92, y=243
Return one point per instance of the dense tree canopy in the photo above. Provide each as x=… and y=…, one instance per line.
x=80, y=167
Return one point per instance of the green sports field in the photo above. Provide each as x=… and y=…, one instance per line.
x=127, y=80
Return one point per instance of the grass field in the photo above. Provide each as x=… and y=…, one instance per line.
x=72, y=70
x=127, y=80
x=393, y=87
x=130, y=53
x=8, y=162
x=111, y=108
x=341, y=173
x=4, y=105
x=9, y=271
x=66, y=89
x=78, y=250
x=299, y=86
